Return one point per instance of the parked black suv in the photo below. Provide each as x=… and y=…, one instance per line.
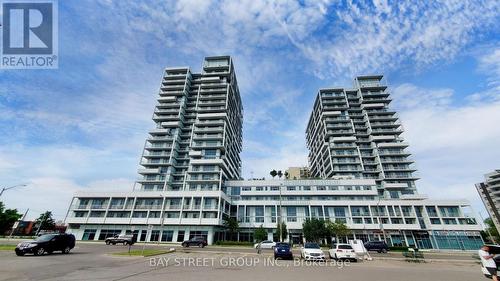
x=379, y=246
x=121, y=239
x=195, y=241
x=47, y=243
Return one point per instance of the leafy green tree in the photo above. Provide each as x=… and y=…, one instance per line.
x=486, y=237
x=492, y=230
x=284, y=231
x=286, y=175
x=280, y=174
x=337, y=229
x=273, y=173
x=7, y=218
x=231, y=225
x=260, y=234
x=314, y=229
x=45, y=222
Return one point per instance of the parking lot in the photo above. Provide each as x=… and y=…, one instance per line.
x=91, y=261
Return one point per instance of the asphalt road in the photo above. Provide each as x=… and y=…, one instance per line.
x=91, y=261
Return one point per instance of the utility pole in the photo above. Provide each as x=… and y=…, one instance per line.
x=15, y=226
x=25, y=214
x=41, y=223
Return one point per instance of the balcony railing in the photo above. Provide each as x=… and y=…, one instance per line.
x=118, y=206
x=151, y=154
x=103, y=206
x=148, y=207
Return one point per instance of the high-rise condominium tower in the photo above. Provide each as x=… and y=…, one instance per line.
x=354, y=133
x=192, y=183
x=489, y=191
x=198, y=135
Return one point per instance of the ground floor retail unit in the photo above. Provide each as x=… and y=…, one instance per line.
x=443, y=240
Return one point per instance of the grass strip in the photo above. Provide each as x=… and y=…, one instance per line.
x=7, y=247
x=140, y=253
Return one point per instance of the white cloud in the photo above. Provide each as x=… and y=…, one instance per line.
x=292, y=153
x=453, y=145
x=55, y=193
x=192, y=10
x=380, y=39
x=54, y=173
x=42, y=194
x=268, y=40
x=448, y=127
x=339, y=38
x=408, y=96
x=489, y=64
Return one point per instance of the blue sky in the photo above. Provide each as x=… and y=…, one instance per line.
x=82, y=126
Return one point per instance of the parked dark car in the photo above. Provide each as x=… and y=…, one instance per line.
x=121, y=239
x=379, y=246
x=195, y=241
x=283, y=251
x=47, y=243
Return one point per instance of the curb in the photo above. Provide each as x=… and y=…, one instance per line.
x=374, y=258
x=431, y=260
x=135, y=256
x=184, y=251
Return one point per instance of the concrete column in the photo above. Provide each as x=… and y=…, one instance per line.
x=77, y=232
x=436, y=245
x=97, y=233
x=404, y=237
x=210, y=237
x=174, y=235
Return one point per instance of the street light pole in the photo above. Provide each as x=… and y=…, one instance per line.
x=10, y=187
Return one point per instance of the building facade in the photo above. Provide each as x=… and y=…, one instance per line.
x=191, y=173
x=489, y=191
x=194, y=147
x=197, y=139
x=297, y=173
x=411, y=220
x=353, y=133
